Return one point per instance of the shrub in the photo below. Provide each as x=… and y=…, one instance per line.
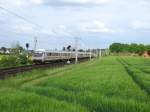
x=22, y=59
x=8, y=61
x=14, y=60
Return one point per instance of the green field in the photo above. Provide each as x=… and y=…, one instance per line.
x=111, y=84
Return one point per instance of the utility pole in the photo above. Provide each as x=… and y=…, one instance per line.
x=100, y=53
x=35, y=43
x=76, y=50
x=90, y=54
x=96, y=53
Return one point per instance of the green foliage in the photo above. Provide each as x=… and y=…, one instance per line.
x=8, y=61
x=117, y=47
x=22, y=59
x=97, y=86
x=139, y=71
x=14, y=60
x=17, y=101
x=129, y=48
x=16, y=48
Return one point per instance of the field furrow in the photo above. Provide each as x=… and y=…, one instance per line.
x=137, y=74
x=99, y=86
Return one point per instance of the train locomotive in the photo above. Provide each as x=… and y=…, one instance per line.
x=43, y=56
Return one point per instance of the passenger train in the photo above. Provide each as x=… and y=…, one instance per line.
x=42, y=56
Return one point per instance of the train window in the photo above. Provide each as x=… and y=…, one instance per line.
x=64, y=54
x=49, y=54
x=38, y=54
x=55, y=54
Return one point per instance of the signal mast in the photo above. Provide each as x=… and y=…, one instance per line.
x=35, y=43
x=76, y=50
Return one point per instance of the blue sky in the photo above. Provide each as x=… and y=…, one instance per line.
x=97, y=23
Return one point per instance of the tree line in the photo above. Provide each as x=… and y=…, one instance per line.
x=129, y=48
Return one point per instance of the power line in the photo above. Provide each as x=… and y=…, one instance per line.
x=26, y=20
x=21, y=17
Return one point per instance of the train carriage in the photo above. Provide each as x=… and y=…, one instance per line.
x=47, y=56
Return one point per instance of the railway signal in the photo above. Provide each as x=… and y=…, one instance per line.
x=27, y=46
x=69, y=48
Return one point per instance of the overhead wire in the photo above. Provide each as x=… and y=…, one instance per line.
x=28, y=21
x=21, y=17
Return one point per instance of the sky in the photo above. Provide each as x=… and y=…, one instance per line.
x=56, y=23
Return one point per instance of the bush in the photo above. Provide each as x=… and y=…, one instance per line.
x=22, y=59
x=14, y=60
x=8, y=61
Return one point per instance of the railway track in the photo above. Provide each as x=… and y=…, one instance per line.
x=9, y=72
x=5, y=73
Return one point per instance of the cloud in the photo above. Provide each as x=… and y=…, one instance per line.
x=86, y=1
x=142, y=25
x=62, y=30
x=76, y=2
x=96, y=27
x=20, y=3
x=22, y=29
x=36, y=2
x=48, y=32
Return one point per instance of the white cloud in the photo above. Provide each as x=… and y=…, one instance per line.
x=76, y=2
x=140, y=25
x=48, y=32
x=87, y=1
x=23, y=29
x=60, y=31
x=100, y=1
x=96, y=27
x=20, y=3
x=36, y=2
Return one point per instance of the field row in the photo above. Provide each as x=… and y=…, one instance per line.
x=139, y=71
x=104, y=85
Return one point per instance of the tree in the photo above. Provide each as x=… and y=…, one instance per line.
x=116, y=47
x=133, y=48
x=129, y=48
x=16, y=48
x=148, y=49
x=141, y=49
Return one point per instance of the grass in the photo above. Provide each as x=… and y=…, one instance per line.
x=1, y=56
x=104, y=85
x=138, y=69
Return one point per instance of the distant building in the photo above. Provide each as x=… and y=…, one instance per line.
x=146, y=54
x=6, y=51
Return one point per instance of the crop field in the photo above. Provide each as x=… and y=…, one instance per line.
x=110, y=84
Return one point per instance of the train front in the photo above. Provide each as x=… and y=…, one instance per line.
x=38, y=56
